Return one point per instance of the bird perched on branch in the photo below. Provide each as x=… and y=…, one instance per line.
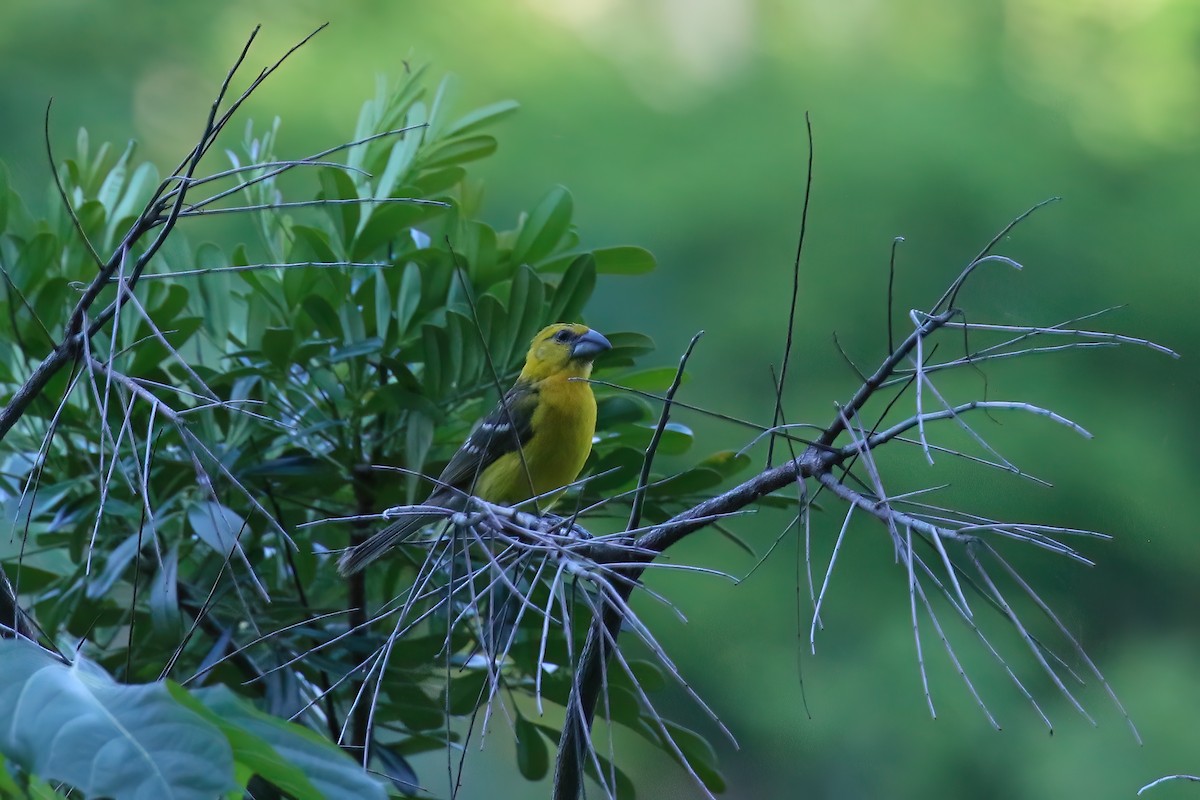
x=534, y=442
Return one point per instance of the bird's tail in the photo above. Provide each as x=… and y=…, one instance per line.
x=379, y=543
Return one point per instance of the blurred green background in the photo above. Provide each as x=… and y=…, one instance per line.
x=679, y=126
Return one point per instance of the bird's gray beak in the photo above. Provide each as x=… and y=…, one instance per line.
x=589, y=345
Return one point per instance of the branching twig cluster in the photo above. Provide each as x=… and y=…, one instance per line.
x=492, y=568
x=502, y=561
x=92, y=348
x=489, y=575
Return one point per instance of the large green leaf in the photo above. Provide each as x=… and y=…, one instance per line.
x=526, y=310
x=544, y=228
x=621, y=260
x=573, y=291
x=481, y=117
x=75, y=724
x=290, y=756
x=218, y=526
x=532, y=757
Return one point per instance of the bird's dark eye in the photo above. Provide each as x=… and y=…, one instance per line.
x=563, y=335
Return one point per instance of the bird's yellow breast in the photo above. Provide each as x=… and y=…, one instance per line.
x=564, y=422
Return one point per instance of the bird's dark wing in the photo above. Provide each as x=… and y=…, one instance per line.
x=506, y=429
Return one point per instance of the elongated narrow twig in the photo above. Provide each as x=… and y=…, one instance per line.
x=188, y=273
x=891, y=297
x=639, y=497
x=62, y=191
x=837, y=546
x=1101, y=335
x=1034, y=649
x=950, y=413
x=273, y=169
x=1165, y=778
x=951, y=293
x=159, y=212
x=1074, y=642
x=356, y=201
x=791, y=326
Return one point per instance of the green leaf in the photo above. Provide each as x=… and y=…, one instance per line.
x=418, y=440
x=469, y=359
x=613, y=410
x=311, y=244
x=655, y=379
x=389, y=222
x=402, y=153
x=75, y=724
x=447, y=92
x=4, y=198
x=296, y=465
x=51, y=304
x=625, y=260
x=175, y=299
x=533, y=760
x=116, y=563
x=367, y=347
x=278, y=344
x=622, y=260
x=726, y=462
x=467, y=692
x=625, y=463
x=699, y=753
x=458, y=151
x=482, y=117
x=413, y=707
x=409, y=297
x=626, y=347
x=336, y=185
x=648, y=675
x=217, y=526
x=383, y=305
x=136, y=194
x=573, y=291
x=617, y=782
x=526, y=310
x=110, y=190
x=676, y=438
x=164, y=596
x=324, y=319
x=38, y=254
x=150, y=353
x=398, y=770
x=437, y=353
x=210, y=299
x=544, y=228
x=92, y=216
x=290, y=756
x=439, y=181
x=692, y=481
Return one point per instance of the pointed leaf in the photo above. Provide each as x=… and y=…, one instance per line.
x=532, y=757
x=573, y=291
x=75, y=724
x=217, y=526
x=459, y=151
x=290, y=756
x=482, y=117
x=545, y=227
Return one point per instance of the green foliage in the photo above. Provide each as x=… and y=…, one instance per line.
x=73, y=724
x=157, y=500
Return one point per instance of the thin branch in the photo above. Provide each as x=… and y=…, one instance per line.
x=639, y=497
x=791, y=326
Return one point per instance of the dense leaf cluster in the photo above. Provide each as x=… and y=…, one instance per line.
x=158, y=497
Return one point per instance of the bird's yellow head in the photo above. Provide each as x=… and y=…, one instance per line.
x=565, y=349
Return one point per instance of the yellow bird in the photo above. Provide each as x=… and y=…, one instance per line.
x=534, y=442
